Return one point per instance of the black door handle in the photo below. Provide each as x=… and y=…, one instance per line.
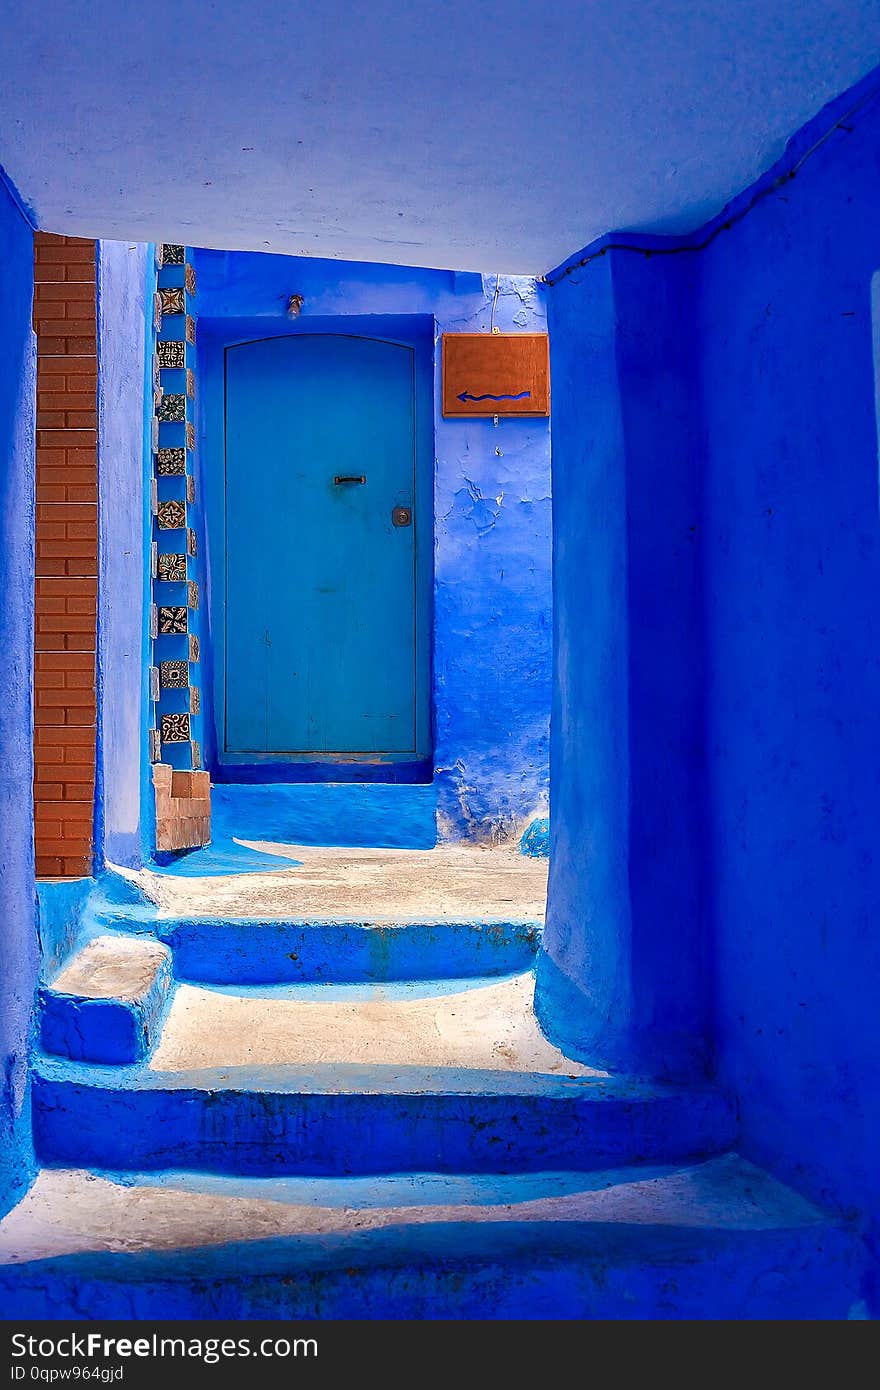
x=349, y=478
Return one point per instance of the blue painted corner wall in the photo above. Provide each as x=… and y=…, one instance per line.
x=18, y=938
x=491, y=489
x=791, y=575
x=626, y=957
x=123, y=800
x=716, y=742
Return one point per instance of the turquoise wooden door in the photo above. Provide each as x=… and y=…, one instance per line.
x=322, y=652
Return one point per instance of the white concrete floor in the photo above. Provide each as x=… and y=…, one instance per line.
x=69, y=1211
x=446, y=884
x=491, y=1025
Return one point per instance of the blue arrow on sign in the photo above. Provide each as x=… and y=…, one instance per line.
x=487, y=396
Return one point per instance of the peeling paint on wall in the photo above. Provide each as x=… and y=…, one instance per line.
x=492, y=603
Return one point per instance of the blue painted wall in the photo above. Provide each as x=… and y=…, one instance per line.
x=623, y=977
x=60, y=907
x=716, y=756
x=18, y=938
x=491, y=648
x=123, y=799
x=792, y=582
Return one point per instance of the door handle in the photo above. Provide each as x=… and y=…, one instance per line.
x=349, y=478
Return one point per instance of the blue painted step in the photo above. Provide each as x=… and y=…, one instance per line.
x=247, y=951
x=358, y=1118
x=720, y=1239
x=109, y=1001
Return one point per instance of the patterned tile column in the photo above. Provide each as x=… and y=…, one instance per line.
x=175, y=735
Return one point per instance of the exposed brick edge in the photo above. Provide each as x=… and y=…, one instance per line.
x=66, y=571
x=183, y=808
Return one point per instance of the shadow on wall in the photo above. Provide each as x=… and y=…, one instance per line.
x=714, y=878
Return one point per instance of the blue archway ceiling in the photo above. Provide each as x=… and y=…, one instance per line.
x=496, y=135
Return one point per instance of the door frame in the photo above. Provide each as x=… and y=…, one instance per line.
x=415, y=332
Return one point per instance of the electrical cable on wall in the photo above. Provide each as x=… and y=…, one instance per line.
x=721, y=226
x=492, y=328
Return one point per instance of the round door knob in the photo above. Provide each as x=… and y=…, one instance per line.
x=402, y=516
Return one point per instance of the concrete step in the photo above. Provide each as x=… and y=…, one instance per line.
x=341, y=1119
x=258, y=951
x=344, y=915
x=719, y=1239
x=108, y=1002
x=318, y=1079
x=485, y=1023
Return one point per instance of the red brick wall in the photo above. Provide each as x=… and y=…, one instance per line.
x=67, y=555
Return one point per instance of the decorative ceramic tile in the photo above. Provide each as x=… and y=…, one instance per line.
x=171, y=463
x=172, y=254
x=171, y=355
x=192, y=594
x=193, y=647
x=158, y=393
x=196, y=750
x=157, y=312
x=171, y=515
x=154, y=620
x=189, y=277
x=175, y=728
x=157, y=379
x=192, y=547
x=195, y=700
x=190, y=383
x=173, y=301
x=174, y=675
x=172, y=621
x=154, y=497
x=155, y=746
x=190, y=488
x=154, y=683
x=155, y=434
x=171, y=568
x=160, y=260
x=190, y=435
x=190, y=330
x=171, y=410
x=154, y=559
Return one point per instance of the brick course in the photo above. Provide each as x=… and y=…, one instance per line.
x=183, y=808
x=66, y=586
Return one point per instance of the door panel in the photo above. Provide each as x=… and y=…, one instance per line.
x=320, y=642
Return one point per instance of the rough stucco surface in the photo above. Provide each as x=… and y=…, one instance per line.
x=770, y=682
x=18, y=937
x=122, y=669
x=492, y=625
x=792, y=577
x=627, y=717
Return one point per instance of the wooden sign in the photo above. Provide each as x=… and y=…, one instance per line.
x=496, y=374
